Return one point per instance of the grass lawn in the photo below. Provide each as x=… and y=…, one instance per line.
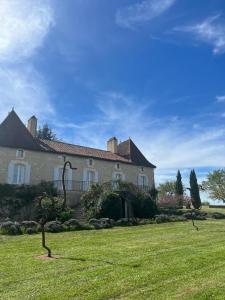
x=166, y=261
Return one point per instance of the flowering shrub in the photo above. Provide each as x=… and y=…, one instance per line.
x=174, y=201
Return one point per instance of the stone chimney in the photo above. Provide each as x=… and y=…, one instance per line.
x=112, y=145
x=32, y=126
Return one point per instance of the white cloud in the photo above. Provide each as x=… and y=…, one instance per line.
x=220, y=98
x=25, y=90
x=24, y=25
x=142, y=12
x=166, y=143
x=210, y=31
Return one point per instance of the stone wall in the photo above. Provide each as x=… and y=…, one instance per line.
x=42, y=166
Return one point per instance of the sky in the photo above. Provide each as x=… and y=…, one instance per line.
x=151, y=70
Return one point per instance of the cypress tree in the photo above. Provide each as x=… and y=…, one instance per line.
x=194, y=190
x=179, y=190
x=179, y=186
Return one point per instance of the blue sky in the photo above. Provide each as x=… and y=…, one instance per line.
x=152, y=70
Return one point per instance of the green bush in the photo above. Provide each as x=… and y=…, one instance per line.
x=13, y=198
x=10, y=228
x=65, y=215
x=110, y=206
x=143, y=206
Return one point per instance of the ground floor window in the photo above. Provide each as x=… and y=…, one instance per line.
x=18, y=173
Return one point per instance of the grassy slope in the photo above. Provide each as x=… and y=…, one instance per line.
x=167, y=261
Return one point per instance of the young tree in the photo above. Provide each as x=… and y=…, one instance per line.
x=215, y=185
x=167, y=188
x=48, y=208
x=46, y=133
x=194, y=190
x=179, y=190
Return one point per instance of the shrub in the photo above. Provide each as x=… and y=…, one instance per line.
x=217, y=215
x=30, y=227
x=195, y=216
x=65, y=215
x=143, y=206
x=90, y=200
x=14, y=198
x=10, y=228
x=162, y=219
x=110, y=206
x=54, y=226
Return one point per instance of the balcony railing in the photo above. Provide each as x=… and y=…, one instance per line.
x=83, y=186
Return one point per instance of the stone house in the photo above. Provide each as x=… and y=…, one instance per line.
x=25, y=159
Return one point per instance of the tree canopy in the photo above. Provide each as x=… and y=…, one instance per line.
x=194, y=190
x=179, y=185
x=167, y=188
x=46, y=133
x=215, y=184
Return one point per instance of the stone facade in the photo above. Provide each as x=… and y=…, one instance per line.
x=45, y=166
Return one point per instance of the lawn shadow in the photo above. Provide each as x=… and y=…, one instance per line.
x=113, y=263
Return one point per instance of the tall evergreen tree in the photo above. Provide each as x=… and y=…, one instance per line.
x=194, y=190
x=46, y=133
x=179, y=185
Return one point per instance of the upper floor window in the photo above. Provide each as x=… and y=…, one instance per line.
x=90, y=162
x=20, y=153
x=142, y=180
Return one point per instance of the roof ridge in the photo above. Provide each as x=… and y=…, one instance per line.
x=70, y=144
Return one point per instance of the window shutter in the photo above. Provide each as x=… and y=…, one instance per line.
x=70, y=178
x=27, y=174
x=96, y=176
x=10, y=172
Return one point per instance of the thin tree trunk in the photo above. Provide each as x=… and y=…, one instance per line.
x=43, y=240
x=193, y=223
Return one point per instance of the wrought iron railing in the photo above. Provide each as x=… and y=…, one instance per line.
x=83, y=186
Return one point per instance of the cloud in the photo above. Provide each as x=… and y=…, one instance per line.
x=23, y=30
x=24, y=26
x=220, y=98
x=165, y=142
x=210, y=31
x=142, y=12
x=24, y=89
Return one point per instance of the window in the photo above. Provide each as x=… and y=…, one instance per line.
x=118, y=166
x=90, y=176
x=142, y=180
x=20, y=153
x=118, y=177
x=19, y=174
x=90, y=162
x=58, y=172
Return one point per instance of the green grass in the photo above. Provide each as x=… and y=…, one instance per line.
x=166, y=261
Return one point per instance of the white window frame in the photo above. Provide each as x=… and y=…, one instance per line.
x=58, y=177
x=90, y=165
x=114, y=175
x=86, y=181
x=140, y=182
x=11, y=170
x=18, y=155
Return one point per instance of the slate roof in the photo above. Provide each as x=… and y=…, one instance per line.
x=14, y=134
x=131, y=152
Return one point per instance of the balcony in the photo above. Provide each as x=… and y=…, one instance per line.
x=83, y=186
